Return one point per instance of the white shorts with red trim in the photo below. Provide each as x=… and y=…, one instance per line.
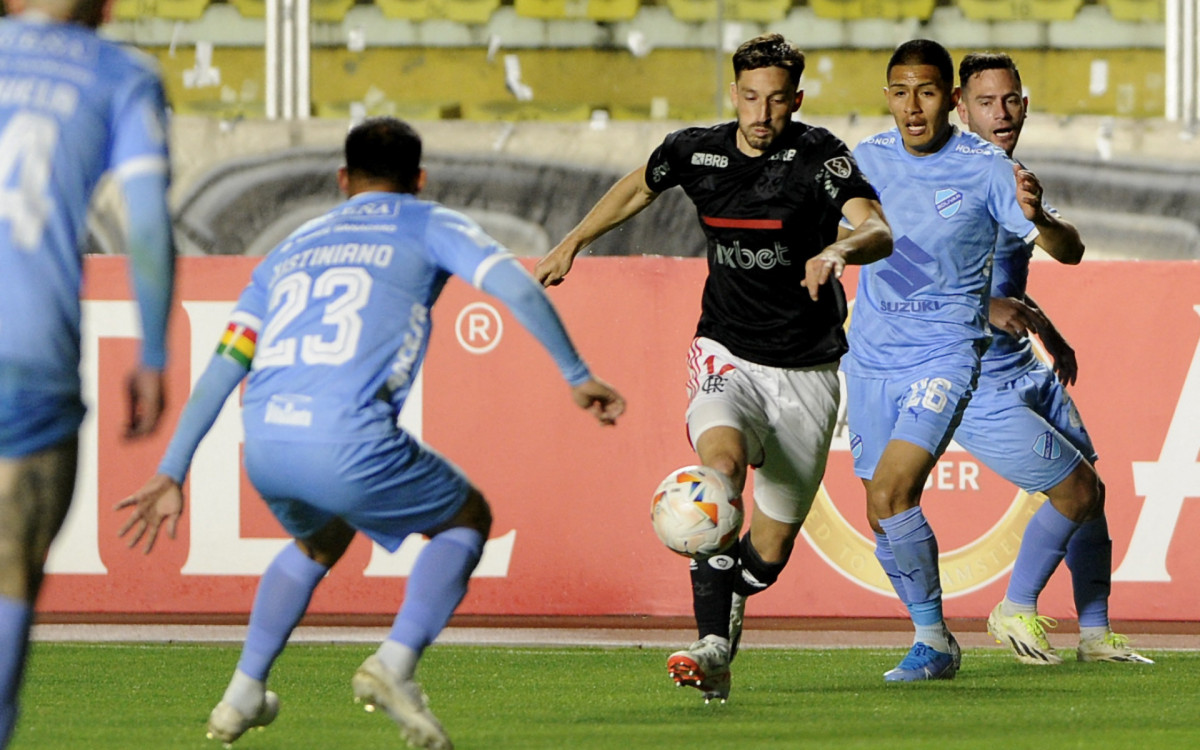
x=787, y=416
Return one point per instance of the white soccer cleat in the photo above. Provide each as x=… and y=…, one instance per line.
x=705, y=666
x=737, y=616
x=1025, y=635
x=404, y=702
x=226, y=723
x=1112, y=647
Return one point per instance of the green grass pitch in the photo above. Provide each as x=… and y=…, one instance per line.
x=100, y=696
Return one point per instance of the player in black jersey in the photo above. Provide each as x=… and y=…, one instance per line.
x=763, y=387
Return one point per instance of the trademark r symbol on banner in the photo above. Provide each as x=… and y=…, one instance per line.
x=478, y=327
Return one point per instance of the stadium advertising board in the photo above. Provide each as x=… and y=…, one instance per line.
x=572, y=534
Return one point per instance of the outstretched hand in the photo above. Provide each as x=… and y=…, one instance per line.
x=160, y=499
x=600, y=400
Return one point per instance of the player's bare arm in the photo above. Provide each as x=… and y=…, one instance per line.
x=1014, y=316
x=622, y=201
x=1057, y=236
x=870, y=240
x=159, y=500
x=146, y=401
x=1065, y=365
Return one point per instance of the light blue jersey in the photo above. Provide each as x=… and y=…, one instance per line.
x=72, y=107
x=929, y=297
x=344, y=306
x=333, y=328
x=1009, y=356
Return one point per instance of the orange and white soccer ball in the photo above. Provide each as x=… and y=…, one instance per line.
x=695, y=513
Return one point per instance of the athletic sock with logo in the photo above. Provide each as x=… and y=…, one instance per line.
x=437, y=584
x=754, y=574
x=712, y=592
x=1042, y=548
x=1089, y=558
x=15, y=618
x=916, y=555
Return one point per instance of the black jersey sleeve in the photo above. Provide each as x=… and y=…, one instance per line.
x=839, y=175
x=662, y=169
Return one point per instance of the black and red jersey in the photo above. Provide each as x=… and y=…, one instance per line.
x=764, y=217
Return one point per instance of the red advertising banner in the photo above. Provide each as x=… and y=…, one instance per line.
x=571, y=499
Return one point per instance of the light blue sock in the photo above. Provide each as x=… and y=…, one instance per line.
x=15, y=618
x=436, y=585
x=915, y=549
x=283, y=595
x=1042, y=549
x=1089, y=558
x=887, y=560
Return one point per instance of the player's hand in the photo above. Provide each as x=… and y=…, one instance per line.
x=1063, y=354
x=145, y=401
x=1014, y=317
x=551, y=269
x=820, y=268
x=600, y=400
x=1029, y=194
x=160, y=499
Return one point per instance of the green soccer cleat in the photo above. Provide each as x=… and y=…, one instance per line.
x=1112, y=647
x=1025, y=635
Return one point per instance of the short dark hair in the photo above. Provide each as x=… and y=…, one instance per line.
x=977, y=62
x=384, y=148
x=924, y=52
x=769, y=51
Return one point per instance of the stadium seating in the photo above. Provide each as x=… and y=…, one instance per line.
x=319, y=10
x=612, y=10
x=172, y=10
x=468, y=11
x=1019, y=10
x=852, y=10
x=693, y=11
x=761, y=11
x=407, y=10
x=1136, y=10
x=545, y=9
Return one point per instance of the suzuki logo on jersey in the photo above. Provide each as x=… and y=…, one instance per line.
x=948, y=201
x=284, y=410
x=839, y=167
x=901, y=271
x=701, y=159
x=767, y=258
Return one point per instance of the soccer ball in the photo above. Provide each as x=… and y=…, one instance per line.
x=694, y=512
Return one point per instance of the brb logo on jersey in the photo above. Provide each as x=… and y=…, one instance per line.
x=948, y=201
x=700, y=159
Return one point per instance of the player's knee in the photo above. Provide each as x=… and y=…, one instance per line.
x=1080, y=496
x=15, y=565
x=475, y=513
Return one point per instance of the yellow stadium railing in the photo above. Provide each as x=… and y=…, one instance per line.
x=328, y=11
x=545, y=9
x=612, y=10
x=1137, y=10
x=851, y=10
x=172, y=10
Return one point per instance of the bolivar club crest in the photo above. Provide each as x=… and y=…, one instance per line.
x=839, y=166
x=948, y=201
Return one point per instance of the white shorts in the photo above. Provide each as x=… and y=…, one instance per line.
x=786, y=415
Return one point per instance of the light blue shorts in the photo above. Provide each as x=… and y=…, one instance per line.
x=386, y=488
x=1027, y=430
x=921, y=406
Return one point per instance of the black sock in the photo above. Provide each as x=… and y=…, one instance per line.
x=753, y=573
x=712, y=592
